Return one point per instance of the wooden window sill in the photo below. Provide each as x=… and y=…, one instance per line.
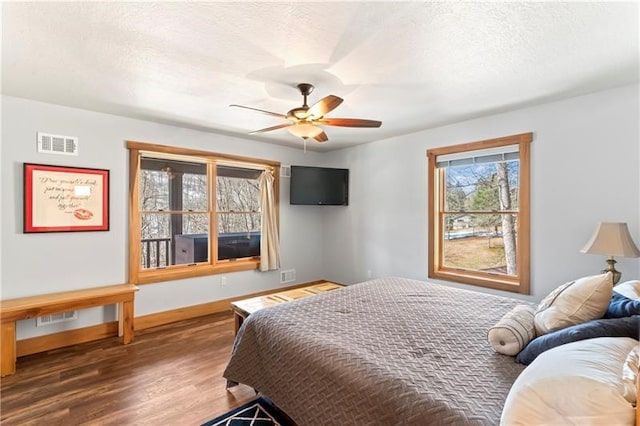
x=198, y=270
x=497, y=282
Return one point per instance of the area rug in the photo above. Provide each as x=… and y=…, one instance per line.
x=259, y=412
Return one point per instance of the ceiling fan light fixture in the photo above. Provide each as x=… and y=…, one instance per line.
x=304, y=130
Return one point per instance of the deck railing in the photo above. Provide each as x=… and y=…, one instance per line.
x=156, y=252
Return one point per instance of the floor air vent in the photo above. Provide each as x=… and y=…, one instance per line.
x=57, y=144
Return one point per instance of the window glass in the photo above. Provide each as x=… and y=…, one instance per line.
x=174, y=215
x=195, y=192
x=238, y=212
x=474, y=237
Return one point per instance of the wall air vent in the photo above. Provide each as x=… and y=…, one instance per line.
x=287, y=276
x=57, y=144
x=285, y=171
x=56, y=318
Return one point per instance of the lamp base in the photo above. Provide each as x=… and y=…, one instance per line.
x=611, y=268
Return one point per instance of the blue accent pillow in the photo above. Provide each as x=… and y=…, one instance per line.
x=612, y=327
x=621, y=306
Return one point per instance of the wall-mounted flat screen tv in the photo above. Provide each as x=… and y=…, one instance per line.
x=319, y=186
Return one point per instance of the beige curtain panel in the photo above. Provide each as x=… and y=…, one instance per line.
x=269, y=241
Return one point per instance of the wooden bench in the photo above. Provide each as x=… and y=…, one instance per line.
x=35, y=306
x=243, y=308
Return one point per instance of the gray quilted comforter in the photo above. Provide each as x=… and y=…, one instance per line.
x=390, y=351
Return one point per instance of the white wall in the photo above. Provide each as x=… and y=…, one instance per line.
x=584, y=170
x=43, y=263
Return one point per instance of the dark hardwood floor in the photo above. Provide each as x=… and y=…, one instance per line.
x=169, y=375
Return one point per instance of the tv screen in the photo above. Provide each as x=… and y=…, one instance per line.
x=319, y=186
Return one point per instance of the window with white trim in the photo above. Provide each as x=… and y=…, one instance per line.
x=479, y=216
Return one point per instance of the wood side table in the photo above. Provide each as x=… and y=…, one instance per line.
x=243, y=308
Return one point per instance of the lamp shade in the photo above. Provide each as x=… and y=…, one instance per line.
x=612, y=239
x=304, y=130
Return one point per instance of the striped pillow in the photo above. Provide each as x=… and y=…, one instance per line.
x=514, y=330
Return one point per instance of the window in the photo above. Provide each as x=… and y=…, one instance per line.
x=479, y=213
x=193, y=213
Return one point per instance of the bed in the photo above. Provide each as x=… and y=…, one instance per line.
x=338, y=356
x=383, y=352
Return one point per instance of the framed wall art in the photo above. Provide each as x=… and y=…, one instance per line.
x=65, y=199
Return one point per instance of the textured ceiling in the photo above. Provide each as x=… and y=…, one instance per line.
x=411, y=65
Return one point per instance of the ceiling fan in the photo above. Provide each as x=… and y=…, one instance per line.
x=305, y=121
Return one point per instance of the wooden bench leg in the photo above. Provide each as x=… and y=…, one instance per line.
x=8, y=354
x=239, y=319
x=125, y=321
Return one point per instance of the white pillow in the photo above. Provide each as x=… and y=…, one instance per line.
x=514, y=330
x=630, y=289
x=575, y=302
x=578, y=383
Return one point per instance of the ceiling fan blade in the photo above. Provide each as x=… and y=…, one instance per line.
x=275, y=114
x=268, y=129
x=350, y=122
x=321, y=137
x=323, y=106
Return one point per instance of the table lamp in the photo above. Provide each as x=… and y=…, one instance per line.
x=612, y=239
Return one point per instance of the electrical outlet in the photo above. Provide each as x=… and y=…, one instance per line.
x=223, y=281
x=369, y=273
